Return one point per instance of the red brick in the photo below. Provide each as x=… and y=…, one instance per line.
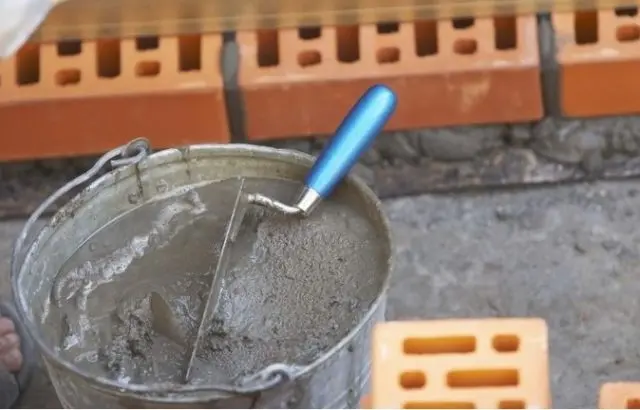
x=85, y=98
x=475, y=363
x=599, y=61
x=619, y=395
x=312, y=84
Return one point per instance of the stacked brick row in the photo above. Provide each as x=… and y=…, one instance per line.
x=84, y=97
x=445, y=73
x=80, y=98
x=599, y=59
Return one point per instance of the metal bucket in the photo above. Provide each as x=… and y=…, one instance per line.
x=337, y=379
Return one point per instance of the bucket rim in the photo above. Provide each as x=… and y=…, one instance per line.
x=164, y=392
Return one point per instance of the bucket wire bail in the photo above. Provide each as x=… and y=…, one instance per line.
x=129, y=154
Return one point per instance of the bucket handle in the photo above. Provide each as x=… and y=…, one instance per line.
x=128, y=154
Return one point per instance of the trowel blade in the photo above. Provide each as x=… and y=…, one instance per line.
x=231, y=232
x=164, y=320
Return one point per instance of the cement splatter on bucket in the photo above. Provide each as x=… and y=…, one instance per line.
x=298, y=305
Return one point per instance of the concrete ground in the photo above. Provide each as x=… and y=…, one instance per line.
x=569, y=254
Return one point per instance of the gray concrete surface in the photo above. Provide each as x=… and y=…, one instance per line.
x=569, y=254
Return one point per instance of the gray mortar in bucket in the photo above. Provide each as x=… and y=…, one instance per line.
x=296, y=288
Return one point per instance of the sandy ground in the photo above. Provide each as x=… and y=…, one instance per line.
x=569, y=254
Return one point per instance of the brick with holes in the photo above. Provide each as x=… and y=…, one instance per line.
x=620, y=395
x=459, y=363
x=302, y=82
x=78, y=98
x=599, y=61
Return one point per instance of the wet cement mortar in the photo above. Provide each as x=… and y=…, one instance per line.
x=295, y=287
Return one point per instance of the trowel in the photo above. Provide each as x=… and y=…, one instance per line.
x=211, y=304
x=165, y=321
x=356, y=133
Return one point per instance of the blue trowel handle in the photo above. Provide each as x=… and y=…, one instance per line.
x=356, y=133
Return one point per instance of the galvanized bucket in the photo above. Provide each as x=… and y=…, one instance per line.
x=337, y=379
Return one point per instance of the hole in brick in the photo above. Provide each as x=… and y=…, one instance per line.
x=69, y=47
x=483, y=378
x=626, y=11
x=438, y=405
x=348, y=38
x=505, y=32
x=439, y=345
x=388, y=55
x=268, y=48
x=506, y=343
x=147, y=43
x=190, y=52
x=586, y=27
x=413, y=380
x=627, y=33
x=462, y=23
x=633, y=403
x=28, y=64
x=388, y=27
x=309, y=58
x=309, y=33
x=512, y=404
x=465, y=46
x=108, y=55
x=426, y=33
x=68, y=77
x=148, y=68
